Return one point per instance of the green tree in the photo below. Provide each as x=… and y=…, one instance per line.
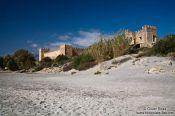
x=6, y=59
x=24, y=59
x=165, y=45
x=1, y=62
x=11, y=65
x=60, y=59
x=46, y=62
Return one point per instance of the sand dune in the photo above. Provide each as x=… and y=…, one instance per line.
x=137, y=86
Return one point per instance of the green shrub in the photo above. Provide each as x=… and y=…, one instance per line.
x=61, y=59
x=165, y=45
x=11, y=65
x=37, y=68
x=6, y=59
x=1, y=62
x=83, y=62
x=161, y=48
x=24, y=59
x=45, y=62
x=97, y=73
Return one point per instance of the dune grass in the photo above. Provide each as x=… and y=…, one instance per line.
x=108, y=48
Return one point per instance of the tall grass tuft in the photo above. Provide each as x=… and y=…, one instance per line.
x=108, y=48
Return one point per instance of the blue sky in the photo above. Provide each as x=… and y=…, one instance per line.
x=31, y=24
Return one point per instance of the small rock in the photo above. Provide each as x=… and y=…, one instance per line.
x=41, y=102
x=170, y=63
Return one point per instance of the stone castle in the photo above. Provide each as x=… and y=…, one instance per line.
x=146, y=37
x=66, y=50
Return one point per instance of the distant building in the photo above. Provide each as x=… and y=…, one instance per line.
x=146, y=37
x=66, y=50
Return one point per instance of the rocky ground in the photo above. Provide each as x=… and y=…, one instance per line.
x=136, y=87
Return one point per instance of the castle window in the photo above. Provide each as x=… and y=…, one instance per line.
x=154, y=38
x=140, y=38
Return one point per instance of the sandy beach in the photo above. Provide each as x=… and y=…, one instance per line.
x=138, y=87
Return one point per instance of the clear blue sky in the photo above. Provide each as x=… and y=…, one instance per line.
x=31, y=24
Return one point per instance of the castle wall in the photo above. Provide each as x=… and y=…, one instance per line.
x=140, y=37
x=146, y=37
x=130, y=36
x=53, y=54
x=62, y=50
x=68, y=50
x=41, y=53
x=77, y=51
x=151, y=36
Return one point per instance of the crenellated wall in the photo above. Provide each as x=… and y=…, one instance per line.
x=67, y=50
x=146, y=37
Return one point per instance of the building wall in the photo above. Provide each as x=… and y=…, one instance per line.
x=130, y=36
x=146, y=37
x=62, y=50
x=41, y=53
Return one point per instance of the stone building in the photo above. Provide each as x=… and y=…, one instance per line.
x=66, y=50
x=146, y=37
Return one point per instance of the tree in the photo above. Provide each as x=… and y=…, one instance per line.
x=6, y=59
x=24, y=59
x=46, y=62
x=11, y=65
x=1, y=62
x=165, y=45
x=60, y=59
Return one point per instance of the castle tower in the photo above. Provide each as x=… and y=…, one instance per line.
x=150, y=35
x=41, y=53
x=145, y=37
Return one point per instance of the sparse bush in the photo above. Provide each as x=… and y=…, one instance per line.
x=118, y=62
x=83, y=62
x=11, y=65
x=24, y=59
x=45, y=62
x=97, y=73
x=60, y=59
x=1, y=62
x=165, y=45
x=72, y=73
x=6, y=59
x=37, y=68
x=145, y=52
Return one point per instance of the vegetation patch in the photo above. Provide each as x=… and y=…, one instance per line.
x=118, y=62
x=83, y=62
x=108, y=48
x=97, y=73
x=60, y=60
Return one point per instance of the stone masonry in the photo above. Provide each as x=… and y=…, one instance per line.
x=66, y=50
x=146, y=37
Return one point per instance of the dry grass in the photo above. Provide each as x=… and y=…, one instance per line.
x=118, y=62
x=108, y=48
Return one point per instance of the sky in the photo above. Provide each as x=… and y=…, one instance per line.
x=31, y=24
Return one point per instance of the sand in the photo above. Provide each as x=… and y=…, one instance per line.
x=138, y=87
